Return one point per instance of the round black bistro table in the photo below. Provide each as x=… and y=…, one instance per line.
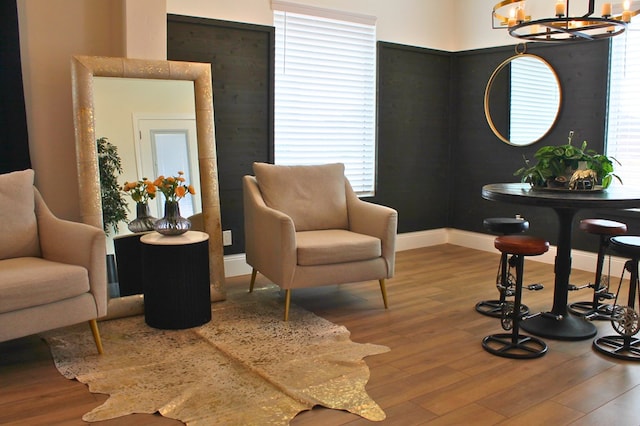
x=559, y=323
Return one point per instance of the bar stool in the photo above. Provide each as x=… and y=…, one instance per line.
x=594, y=309
x=504, y=279
x=624, y=319
x=514, y=344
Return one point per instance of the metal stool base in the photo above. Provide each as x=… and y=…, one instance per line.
x=522, y=347
x=585, y=309
x=621, y=347
x=493, y=308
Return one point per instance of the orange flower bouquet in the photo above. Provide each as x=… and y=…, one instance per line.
x=173, y=187
x=141, y=191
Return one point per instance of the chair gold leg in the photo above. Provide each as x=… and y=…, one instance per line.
x=287, y=303
x=96, y=335
x=254, y=272
x=383, y=289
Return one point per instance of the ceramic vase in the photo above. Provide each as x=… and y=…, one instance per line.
x=144, y=221
x=172, y=223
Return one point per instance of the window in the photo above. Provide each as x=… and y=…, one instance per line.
x=623, y=122
x=325, y=90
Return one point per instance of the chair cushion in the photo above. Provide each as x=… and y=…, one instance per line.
x=18, y=225
x=33, y=281
x=313, y=196
x=335, y=246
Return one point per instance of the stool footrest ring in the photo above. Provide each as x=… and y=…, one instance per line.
x=621, y=347
x=523, y=347
x=493, y=308
x=585, y=309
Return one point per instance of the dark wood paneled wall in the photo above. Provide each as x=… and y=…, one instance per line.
x=14, y=141
x=435, y=148
x=414, y=125
x=482, y=158
x=241, y=58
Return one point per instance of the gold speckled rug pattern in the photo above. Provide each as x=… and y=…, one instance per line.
x=247, y=366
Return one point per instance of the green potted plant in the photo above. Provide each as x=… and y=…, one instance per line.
x=569, y=167
x=114, y=206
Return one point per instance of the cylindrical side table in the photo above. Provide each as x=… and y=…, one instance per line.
x=175, y=276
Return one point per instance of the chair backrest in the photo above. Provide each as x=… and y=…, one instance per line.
x=18, y=224
x=313, y=196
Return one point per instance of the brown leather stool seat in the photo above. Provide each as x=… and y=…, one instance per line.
x=603, y=227
x=595, y=309
x=504, y=280
x=514, y=344
x=624, y=318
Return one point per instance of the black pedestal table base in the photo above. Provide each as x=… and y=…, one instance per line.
x=568, y=327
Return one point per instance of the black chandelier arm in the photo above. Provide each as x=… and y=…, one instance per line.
x=555, y=27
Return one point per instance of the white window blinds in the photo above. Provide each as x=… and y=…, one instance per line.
x=535, y=96
x=623, y=121
x=325, y=92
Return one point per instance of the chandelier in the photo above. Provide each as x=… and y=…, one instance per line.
x=563, y=26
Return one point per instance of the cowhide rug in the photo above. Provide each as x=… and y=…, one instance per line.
x=247, y=366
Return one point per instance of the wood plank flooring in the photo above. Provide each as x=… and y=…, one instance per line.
x=436, y=372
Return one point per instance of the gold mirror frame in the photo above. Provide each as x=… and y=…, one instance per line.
x=83, y=69
x=487, y=93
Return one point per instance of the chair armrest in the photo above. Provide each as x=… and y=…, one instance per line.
x=75, y=244
x=377, y=221
x=270, y=236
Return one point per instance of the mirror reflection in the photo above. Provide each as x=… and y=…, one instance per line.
x=153, y=125
x=522, y=99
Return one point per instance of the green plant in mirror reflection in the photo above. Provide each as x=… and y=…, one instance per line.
x=114, y=206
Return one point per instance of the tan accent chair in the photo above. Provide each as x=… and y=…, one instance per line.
x=306, y=227
x=52, y=271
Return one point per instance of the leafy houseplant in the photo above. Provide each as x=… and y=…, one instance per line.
x=114, y=206
x=557, y=164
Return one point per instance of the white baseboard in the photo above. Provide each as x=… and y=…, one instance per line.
x=235, y=264
x=583, y=260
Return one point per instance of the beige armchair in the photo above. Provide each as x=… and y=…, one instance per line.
x=52, y=271
x=306, y=227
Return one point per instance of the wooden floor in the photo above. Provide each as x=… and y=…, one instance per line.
x=436, y=372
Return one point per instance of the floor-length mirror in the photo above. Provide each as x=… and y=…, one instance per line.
x=159, y=115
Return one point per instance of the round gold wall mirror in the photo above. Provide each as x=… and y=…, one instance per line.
x=522, y=99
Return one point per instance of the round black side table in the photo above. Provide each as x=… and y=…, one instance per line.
x=175, y=278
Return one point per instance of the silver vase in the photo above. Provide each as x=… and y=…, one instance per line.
x=172, y=223
x=144, y=221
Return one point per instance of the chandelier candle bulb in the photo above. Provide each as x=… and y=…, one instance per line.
x=606, y=9
x=560, y=8
x=520, y=15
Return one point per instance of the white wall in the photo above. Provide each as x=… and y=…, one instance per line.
x=400, y=21
x=51, y=31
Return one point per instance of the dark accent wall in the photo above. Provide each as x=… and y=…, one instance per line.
x=435, y=148
x=414, y=117
x=241, y=58
x=478, y=157
x=14, y=141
